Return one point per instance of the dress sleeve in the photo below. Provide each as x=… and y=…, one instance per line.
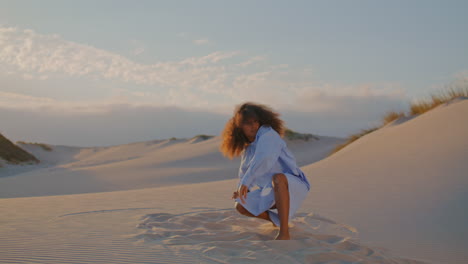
x=267, y=151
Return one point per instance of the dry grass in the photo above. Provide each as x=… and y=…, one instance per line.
x=449, y=93
x=457, y=89
x=391, y=116
x=13, y=154
x=42, y=145
x=203, y=136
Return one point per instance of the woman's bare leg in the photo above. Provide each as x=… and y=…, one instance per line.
x=280, y=183
x=243, y=211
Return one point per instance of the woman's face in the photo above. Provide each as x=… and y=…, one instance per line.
x=250, y=128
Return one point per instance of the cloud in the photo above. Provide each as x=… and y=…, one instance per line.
x=120, y=122
x=461, y=75
x=252, y=61
x=214, y=82
x=212, y=58
x=201, y=41
x=22, y=102
x=196, y=41
x=37, y=55
x=16, y=100
x=138, y=47
x=31, y=55
x=330, y=98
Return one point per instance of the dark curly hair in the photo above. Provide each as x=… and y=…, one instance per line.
x=233, y=140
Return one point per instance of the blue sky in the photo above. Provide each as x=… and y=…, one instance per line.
x=89, y=69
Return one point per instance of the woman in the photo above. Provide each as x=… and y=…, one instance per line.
x=269, y=177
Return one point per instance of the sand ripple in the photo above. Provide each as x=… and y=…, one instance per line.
x=223, y=236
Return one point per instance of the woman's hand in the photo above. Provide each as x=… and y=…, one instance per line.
x=235, y=195
x=242, y=193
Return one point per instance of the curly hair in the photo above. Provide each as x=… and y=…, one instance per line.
x=233, y=140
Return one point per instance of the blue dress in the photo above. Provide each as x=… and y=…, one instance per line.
x=266, y=156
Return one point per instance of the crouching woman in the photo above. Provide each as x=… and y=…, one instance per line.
x=269, y=177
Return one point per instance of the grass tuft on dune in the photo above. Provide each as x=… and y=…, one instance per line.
x=293, y=135
x=13, y=154
x=203, y=137
x=418, y=107
x=42, y=145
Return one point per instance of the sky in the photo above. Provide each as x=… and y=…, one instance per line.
x=99, y=73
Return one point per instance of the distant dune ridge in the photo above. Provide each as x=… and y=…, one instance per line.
x=137, y=165
x=396, y=195
x=13, y=154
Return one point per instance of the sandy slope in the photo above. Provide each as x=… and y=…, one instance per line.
x=404, y=186
x=397, y=195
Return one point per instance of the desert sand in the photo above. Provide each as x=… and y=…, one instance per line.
x=397, y=195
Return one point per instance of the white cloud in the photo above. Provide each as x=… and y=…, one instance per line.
x=350, y=100
x=195, y=40
x=115, y=121
x=214, y=81
x=17, y=101
x=14, y=98
x=252, y=61
x=214, y=57
x=201, y=41
x=138, y=51
x=35, y=54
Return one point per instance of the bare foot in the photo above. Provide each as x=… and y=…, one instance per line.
x=282, y=237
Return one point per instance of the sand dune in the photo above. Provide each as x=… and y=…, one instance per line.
x=397, y=195
x=404, y=186
x=72, y=170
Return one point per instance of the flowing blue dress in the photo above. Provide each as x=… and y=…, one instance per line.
x=266, y=156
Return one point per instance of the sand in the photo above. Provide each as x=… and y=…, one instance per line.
x=397, y=195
